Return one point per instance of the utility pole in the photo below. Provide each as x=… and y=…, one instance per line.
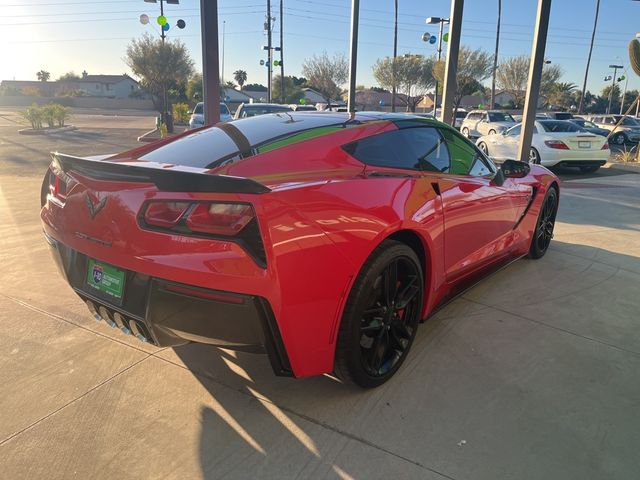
x=395, y=54
x=586, y=71
x=353, y=54
x=269, y=50
x=281, y=54
x=624, y=92
x=442, y=22
x=495, y=58
x=224, y=24
x=613, y=84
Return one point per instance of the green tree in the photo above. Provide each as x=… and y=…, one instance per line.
x=474, y=66
x=256, y=87
x=615, y=100
x=561, y=95
x=43, y=75
x=325, y=74
x=159, y=66
x=413, y=76
x=292, y=92
x=513, y=76
x=229, y=84
x=194, y=88
x=240, y=76
x=69, y=76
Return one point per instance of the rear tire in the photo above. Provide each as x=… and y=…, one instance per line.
x=543, y=233
x=619, y=138
x=381, y=316
x=484, y=148
x=465, y=132
x=492, y=132
x=590, y=169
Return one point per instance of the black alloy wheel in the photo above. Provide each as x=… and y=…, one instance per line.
x=619, y=138
x=543, y=233
x=381, y=316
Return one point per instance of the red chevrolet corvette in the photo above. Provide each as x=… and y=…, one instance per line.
x=319, y=239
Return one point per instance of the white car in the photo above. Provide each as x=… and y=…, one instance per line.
x=554, y=143
x=197, y=117
x=486, y=122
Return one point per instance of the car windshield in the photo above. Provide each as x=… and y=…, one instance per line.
x=628, y=121
x=198, y=109
x=559, y=126
x=253, y=110
x=500, y=117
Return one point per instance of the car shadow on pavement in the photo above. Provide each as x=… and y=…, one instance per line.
x=266, y=440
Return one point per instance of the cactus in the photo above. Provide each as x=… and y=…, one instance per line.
x=634, y=55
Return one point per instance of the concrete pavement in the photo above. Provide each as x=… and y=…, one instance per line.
x=531, y=374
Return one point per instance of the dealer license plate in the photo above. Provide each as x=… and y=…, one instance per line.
x=584, y=144
x=107, y=280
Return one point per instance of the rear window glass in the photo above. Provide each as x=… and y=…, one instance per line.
x=199, y=108
x=563, y=116
x=253, y=110
x=461, y=114
x=224, y=110
x=559, y=126
x=500, y=117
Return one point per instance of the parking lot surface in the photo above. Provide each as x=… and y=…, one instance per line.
x=531, y=374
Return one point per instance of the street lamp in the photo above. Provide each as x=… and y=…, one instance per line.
x=441, y=22
x=613, y=84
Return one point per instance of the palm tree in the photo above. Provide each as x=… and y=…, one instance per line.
x=240, y=76
x=561, y=93
x=586, y=71
x=43, y=75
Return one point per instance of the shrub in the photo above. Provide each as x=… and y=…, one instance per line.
x=33, y=115
x=180, y=112
x=627, y=156
x=49, y=114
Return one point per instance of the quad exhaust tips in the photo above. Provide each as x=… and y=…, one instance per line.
x=117, y=320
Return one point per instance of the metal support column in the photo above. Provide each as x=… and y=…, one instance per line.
x=353, y=53
x=210, y=59
x=535, y=76
x=451, y=68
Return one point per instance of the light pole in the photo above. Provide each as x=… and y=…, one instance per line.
x=624, y=77
x=613, y=84
x=441, y=21
x=224, y=24
x=495, y=58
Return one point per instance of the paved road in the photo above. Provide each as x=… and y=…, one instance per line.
x=531, y=374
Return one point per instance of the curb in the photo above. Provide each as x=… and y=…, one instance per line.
x=625, y=167
x=47, y=131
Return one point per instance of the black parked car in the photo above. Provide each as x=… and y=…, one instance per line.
x=590, y=126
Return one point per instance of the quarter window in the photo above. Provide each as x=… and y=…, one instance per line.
x=415, y=148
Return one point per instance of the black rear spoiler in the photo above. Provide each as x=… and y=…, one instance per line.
x=166, y=179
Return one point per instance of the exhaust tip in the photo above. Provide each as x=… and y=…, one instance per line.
x=92, y=308
x=121, y=323
x=137, y=331
x=104, y=313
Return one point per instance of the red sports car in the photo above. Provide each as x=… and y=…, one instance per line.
x=319, y=239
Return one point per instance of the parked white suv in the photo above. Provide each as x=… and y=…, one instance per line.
x=627, y=131
x=197, y=117
x=486, y=122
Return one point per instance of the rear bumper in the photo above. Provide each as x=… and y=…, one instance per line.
x=580, y=163
x=169, y=313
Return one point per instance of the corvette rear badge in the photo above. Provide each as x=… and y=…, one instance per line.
x=94, y=208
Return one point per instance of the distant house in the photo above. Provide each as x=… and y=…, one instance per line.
x=504, y=98
x=111, y=86
x=108, y=86
x=371, y=100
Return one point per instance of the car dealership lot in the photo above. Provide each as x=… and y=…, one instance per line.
x=531, y=374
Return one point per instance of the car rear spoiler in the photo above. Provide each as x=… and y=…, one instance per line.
x=168, y=178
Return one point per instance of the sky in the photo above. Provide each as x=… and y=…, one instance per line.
x=74, y=35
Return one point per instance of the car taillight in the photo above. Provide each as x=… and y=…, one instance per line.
x=557, y=144
x=210, y=218
x=165, y=214
x=605, y=146
x=220, y=218
x=60, y=183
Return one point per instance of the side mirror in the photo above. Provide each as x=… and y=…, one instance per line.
x=515, y=169
x=189, y=112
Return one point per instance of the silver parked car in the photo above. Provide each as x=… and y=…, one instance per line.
x=486, y=122
x=197, y=116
